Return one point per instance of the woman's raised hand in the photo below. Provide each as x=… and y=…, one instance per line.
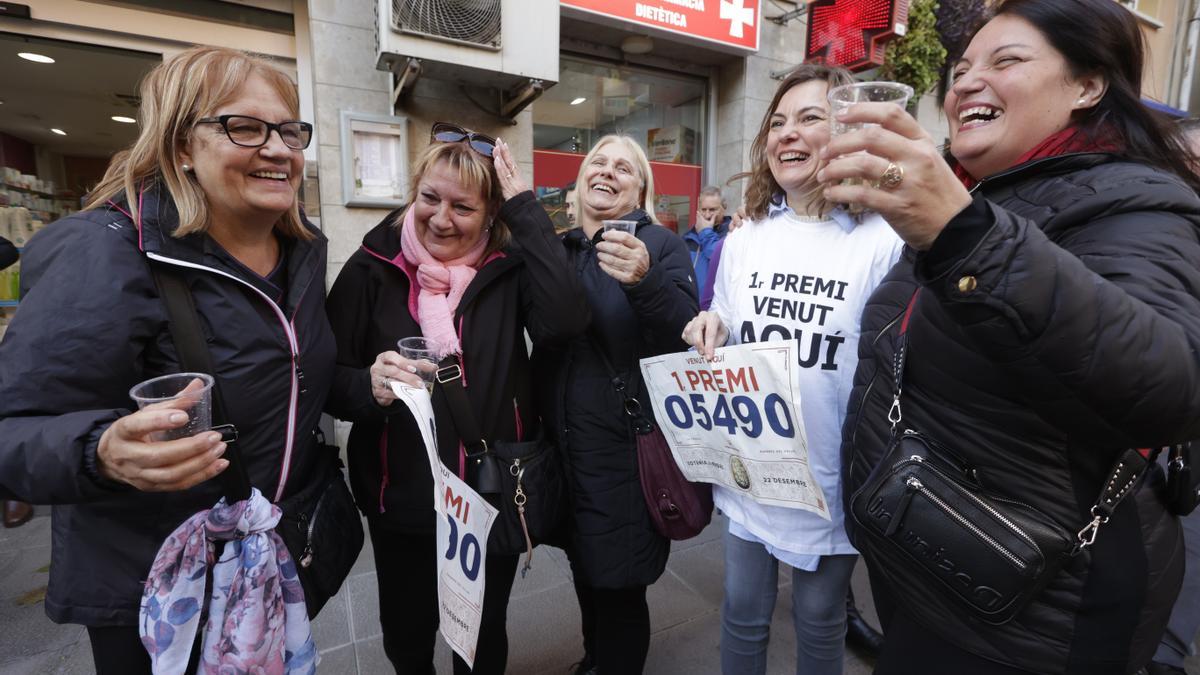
x=390, y=366
x=905, y=179
x=512, y=183
x=706, y=332
x=623, y=257
x=126, y=453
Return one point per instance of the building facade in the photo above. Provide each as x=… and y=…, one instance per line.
x=689, y=79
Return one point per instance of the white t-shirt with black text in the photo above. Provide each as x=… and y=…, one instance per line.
x=794, y=278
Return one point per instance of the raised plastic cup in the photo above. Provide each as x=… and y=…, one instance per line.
x=629, y=226
x=173, y=392
x=843, y=97
x=420, y=349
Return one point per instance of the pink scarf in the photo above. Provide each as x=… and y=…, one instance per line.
x=442, y=284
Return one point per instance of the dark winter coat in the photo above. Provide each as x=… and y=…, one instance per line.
x=90, y=326
x=1058, y=324
x=613, y=542
x=527, y=287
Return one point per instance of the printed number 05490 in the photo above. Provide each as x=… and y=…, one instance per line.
x=740, y=412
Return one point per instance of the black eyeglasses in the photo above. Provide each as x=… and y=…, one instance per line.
x=251, y=132
x=444, y=132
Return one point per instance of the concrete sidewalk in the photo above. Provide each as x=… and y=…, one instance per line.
x=543, y=618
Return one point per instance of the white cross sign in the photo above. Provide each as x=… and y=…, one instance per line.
x=738, y=15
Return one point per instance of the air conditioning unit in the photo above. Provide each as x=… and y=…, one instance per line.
x=508, y=46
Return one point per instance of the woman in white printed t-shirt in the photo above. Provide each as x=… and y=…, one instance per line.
x=800, y=270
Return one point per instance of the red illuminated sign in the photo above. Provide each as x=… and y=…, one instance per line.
x=720, y=23
x=853, y=33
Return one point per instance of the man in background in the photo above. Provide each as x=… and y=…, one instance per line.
x=710, y=227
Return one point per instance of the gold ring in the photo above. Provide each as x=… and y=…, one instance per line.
x=892, y=177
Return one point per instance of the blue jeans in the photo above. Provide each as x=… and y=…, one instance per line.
x=818, y=610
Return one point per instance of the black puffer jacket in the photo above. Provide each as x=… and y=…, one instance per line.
x=371, y=306
x=1059, y=323
x=614, y=542
x=90, y=326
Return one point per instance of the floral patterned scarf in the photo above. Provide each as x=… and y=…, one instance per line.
x=257, y=620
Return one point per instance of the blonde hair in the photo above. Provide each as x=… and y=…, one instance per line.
x=187, y=87
x=475, y=172
x=645, y=199
x=762, y=185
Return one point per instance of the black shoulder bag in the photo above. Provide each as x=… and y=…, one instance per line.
x=930, y=520
x=1183, y=478
x=320, y=524
x=522, y=479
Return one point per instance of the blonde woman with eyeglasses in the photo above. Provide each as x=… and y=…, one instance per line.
x=208, y=192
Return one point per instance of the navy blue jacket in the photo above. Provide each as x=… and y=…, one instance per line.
x=90, y=326
x=613, y=541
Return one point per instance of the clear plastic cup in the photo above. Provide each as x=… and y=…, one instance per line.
x=629, y=226
x=841, y=98
x=421, y=349
x=177, y=391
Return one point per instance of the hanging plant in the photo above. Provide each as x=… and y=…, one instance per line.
x=917, y=58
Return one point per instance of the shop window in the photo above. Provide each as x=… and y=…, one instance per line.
x=664, y=112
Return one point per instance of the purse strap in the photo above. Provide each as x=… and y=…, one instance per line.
x=449, y=380
x=194, y=356
x=633, y=407
x=1122, y=477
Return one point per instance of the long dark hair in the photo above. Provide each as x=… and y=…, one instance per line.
x=762, y=184
x=1100, y=36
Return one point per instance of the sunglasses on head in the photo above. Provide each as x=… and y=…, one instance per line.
x=444, y=132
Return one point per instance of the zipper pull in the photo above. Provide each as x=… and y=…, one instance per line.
x=911, y=487
x=300, y=380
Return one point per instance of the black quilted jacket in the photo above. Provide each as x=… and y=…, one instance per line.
x=1058, y=323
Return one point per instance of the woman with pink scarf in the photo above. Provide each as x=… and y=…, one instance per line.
x=473, y=265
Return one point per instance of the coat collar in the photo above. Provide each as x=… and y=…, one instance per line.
x=159, y=219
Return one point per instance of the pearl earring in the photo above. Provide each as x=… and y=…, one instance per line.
x=187, y=168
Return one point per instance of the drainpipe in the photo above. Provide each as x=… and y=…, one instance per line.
x=1185, y=91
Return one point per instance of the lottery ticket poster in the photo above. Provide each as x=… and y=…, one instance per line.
x=735, y=421
x=464, y=521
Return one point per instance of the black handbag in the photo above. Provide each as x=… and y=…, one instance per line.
x=1183, y=478
x=322, y=529
x=932, y=522
x=320, y=524
x=522, y=479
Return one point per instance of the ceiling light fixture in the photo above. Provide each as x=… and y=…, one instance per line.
x=36, y=58
x=579, y=100
x=123, y=119
x=60, y=132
